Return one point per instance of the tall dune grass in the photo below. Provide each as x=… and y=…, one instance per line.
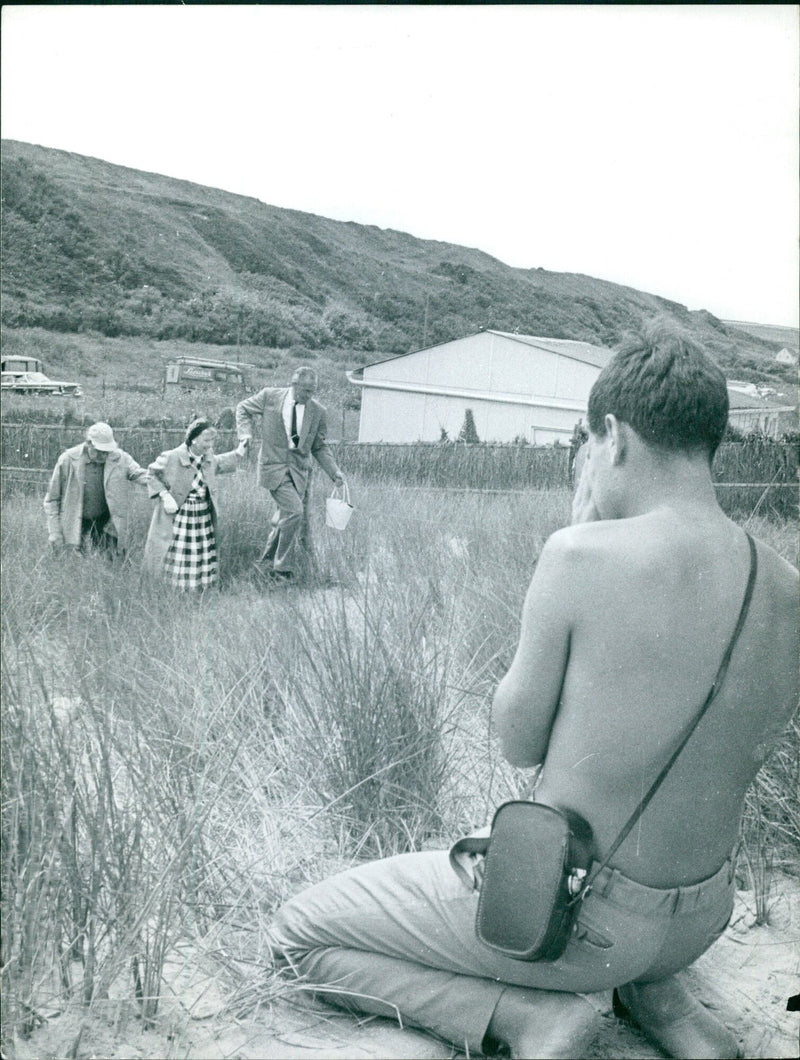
x=173, y=767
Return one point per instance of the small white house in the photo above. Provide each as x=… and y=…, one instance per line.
x=517, y=386
x=785, y=356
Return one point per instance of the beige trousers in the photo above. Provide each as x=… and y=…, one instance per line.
x=396, y=937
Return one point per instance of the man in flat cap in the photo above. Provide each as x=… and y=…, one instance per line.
x=88, y=501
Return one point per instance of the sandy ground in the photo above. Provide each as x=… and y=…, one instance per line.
x=747, y=978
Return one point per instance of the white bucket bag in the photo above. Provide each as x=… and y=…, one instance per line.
x=338, y=508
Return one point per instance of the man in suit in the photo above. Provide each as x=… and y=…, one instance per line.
x=293, y=429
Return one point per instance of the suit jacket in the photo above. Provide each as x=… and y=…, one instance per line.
x=275, y=457
x=172, y=470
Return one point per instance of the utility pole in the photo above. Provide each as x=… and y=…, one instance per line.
x=425, y=324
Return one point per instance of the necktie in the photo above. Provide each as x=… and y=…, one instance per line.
x=295, y=435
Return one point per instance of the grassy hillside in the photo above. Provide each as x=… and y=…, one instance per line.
x=122, y=376
x=93, y=247
x=788, y=337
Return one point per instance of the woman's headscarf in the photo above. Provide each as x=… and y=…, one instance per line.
x=195, y=428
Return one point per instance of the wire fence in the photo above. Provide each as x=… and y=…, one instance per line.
x=756, y=473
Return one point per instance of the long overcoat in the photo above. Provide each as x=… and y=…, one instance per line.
x=63, y=503
x=173, y=470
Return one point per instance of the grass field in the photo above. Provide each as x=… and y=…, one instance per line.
x=122, y=379
x=173, y=768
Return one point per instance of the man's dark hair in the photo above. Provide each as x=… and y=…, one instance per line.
x=666, y=387
x=304, y=374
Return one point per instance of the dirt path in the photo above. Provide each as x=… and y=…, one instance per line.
x=746, y=977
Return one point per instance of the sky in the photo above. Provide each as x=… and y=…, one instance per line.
x=655, y=146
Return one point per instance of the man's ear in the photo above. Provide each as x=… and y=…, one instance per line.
x=618, y=437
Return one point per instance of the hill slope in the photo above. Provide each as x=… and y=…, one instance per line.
x=785, y=336
x=90, y=246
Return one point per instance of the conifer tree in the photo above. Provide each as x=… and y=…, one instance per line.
x=468, y=433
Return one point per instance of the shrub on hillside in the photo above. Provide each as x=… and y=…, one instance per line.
x=349, y=328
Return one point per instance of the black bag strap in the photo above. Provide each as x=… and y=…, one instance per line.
x=721, y=672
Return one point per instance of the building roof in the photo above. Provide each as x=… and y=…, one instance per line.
x=598, y=356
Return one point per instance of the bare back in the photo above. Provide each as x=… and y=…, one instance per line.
x=660, y=598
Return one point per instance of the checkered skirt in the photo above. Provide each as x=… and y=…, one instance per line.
x=191, y=561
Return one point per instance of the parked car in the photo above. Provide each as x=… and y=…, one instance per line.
x=37, y=383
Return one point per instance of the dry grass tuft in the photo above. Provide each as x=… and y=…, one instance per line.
x=174, y=768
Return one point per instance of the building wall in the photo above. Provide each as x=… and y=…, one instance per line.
x=746, y=420
x=399, y=416
x=490, y=362
x=518, y=369
x=480, y=363
x=574, y=379
x=463, y=363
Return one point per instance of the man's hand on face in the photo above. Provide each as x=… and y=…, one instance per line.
x=584, y=510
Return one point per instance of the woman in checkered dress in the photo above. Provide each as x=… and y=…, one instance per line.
x=182, y=540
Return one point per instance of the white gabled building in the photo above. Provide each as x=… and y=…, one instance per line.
x=517, y=386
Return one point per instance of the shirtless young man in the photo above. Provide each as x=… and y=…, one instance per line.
x=625, y=623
